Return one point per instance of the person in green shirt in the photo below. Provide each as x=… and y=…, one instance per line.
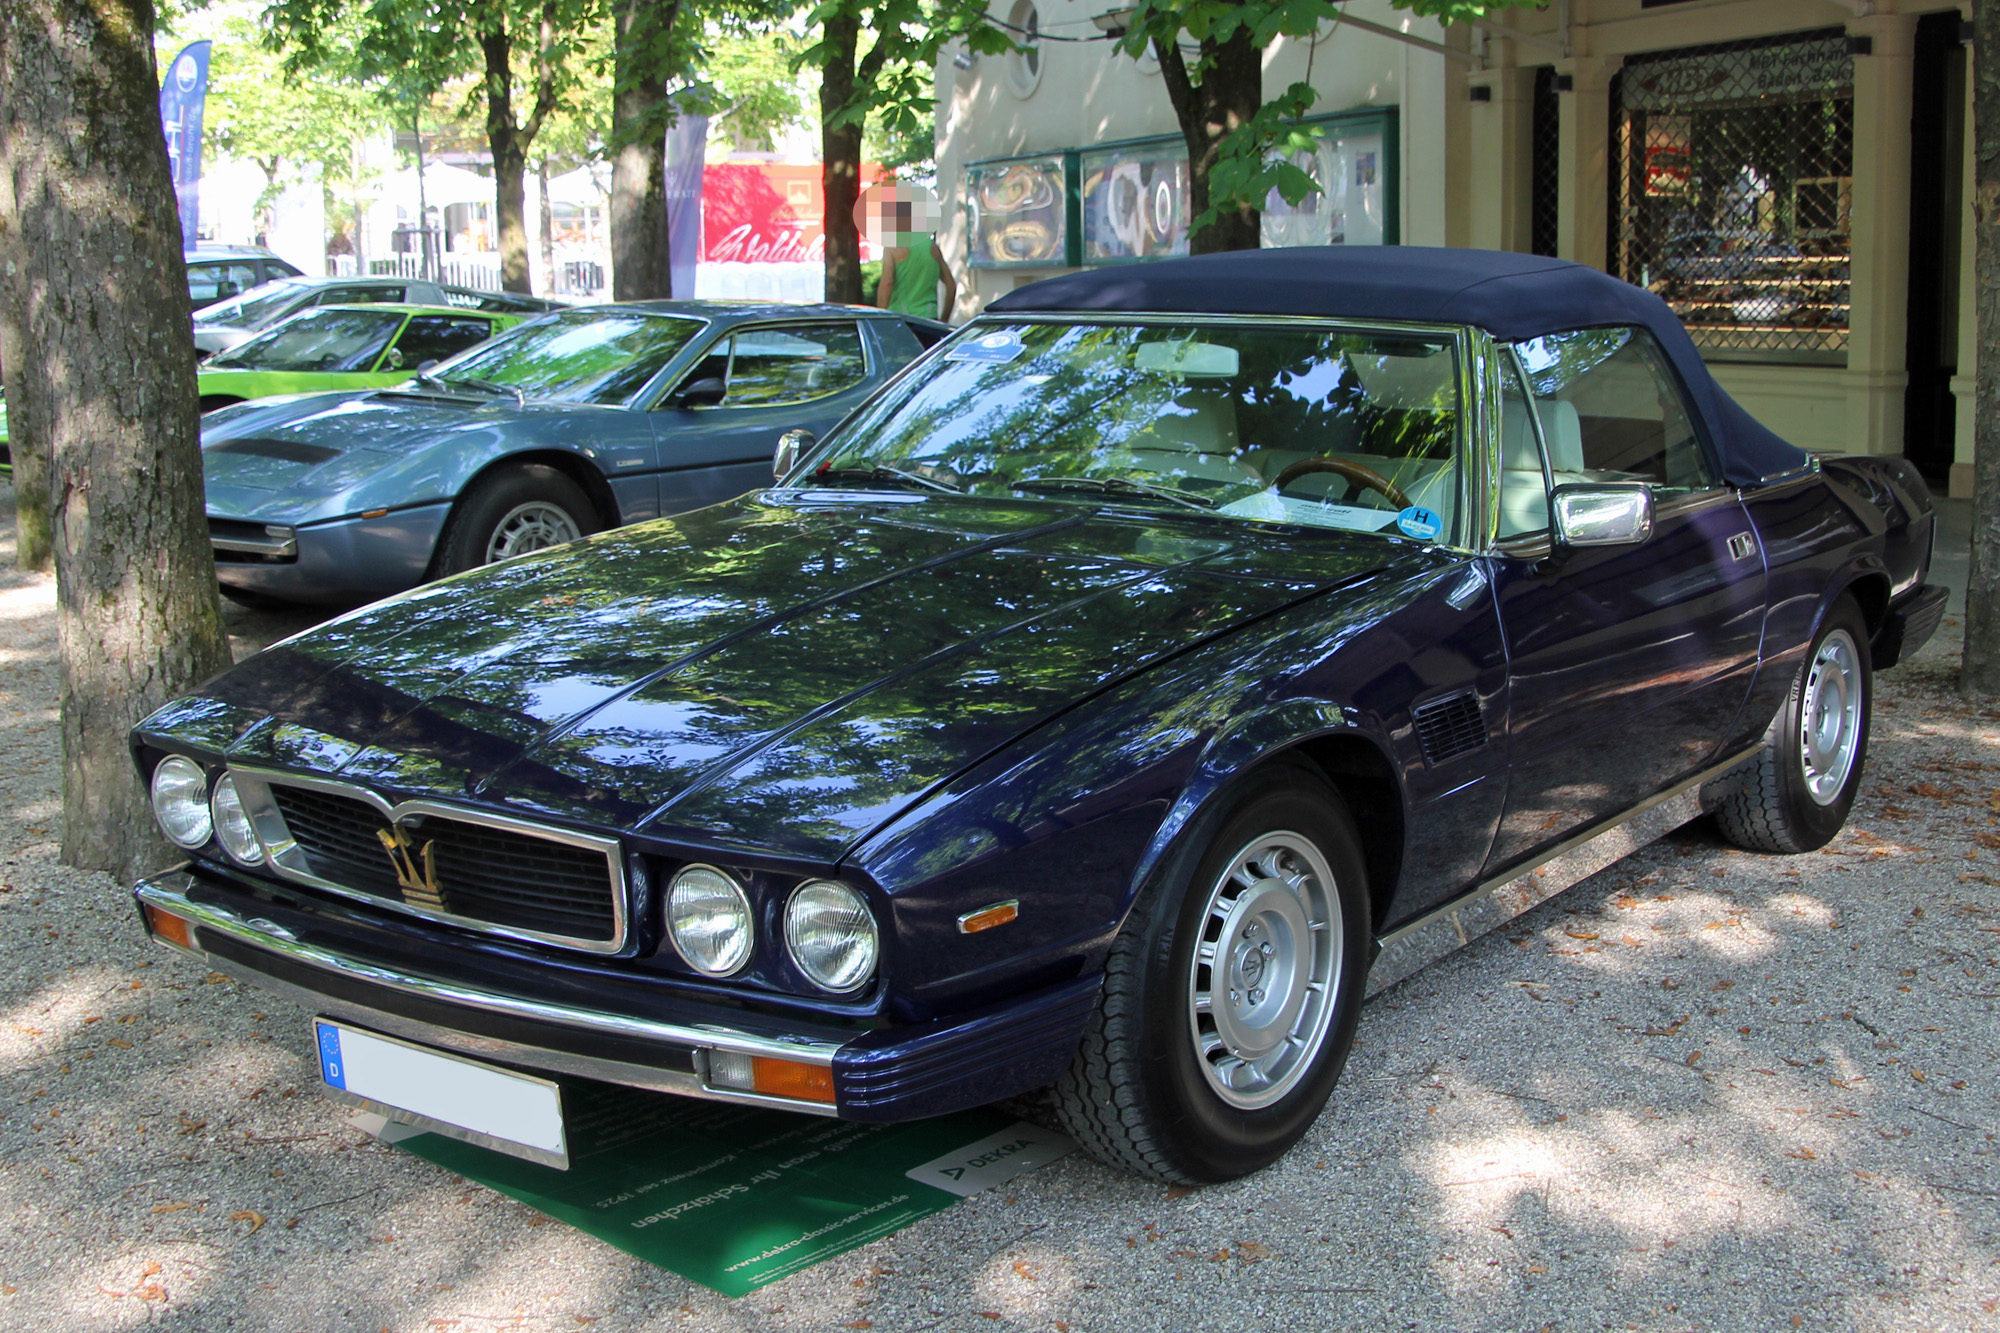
x=903, y=220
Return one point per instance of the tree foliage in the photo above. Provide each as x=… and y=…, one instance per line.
x=1240, y=146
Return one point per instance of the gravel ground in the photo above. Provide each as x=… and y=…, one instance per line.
x=1703, y=1090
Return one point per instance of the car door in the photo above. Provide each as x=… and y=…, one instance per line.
x=1627, y=664
x=779, y=377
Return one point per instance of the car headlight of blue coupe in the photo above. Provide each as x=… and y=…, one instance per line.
x=232, y=823
x=180, y=801
x=709, y=919
x=830, y=934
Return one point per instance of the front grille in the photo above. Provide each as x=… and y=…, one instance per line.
x=498, y=876
x=1449, y=727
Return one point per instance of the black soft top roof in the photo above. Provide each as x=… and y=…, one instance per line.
x=1511, y=296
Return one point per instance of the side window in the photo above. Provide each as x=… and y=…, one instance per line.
x=359, y=295
x=215, y=282
x=771, y=367
x=435, y=337
x=1524, y=482
x=1611, y=410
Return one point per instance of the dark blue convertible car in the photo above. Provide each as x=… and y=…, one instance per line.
x=1171, y=658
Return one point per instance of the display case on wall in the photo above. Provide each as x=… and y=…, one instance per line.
x=1134, y=200
x=1354, y=163
x=1020, y=212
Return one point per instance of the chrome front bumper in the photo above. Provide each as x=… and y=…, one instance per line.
x=288, y=957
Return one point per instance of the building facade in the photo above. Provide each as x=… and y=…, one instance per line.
x=1792, y=176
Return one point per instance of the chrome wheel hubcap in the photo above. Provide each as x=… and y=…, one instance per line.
x=530, y=527
x=1262, y=982
x=1830, y=719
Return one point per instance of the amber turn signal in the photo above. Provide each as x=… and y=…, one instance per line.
x=168, y=927
x=789, y=1078
x=999, y=914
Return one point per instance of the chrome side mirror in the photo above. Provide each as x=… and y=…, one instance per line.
x=1603, y=513
x=791, y=445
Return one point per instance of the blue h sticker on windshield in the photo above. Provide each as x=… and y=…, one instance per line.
x=1000, y=346
x=1420, y=523
x=331, y=1067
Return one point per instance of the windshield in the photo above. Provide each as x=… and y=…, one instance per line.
x=253, y=309
x=318, y=340
x=583, y=356
x=1299, y=424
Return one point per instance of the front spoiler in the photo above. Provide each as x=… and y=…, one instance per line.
x=886, y=1075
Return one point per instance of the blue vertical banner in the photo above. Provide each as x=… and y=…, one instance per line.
x=686, y=155
x=183, y=94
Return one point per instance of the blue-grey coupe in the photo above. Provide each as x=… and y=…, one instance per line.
x=573, y=422
x=1169, y=659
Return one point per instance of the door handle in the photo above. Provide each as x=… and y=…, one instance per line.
x=1742, y=546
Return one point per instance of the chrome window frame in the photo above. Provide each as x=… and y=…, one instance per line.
x=286, y=858
x=1463, y=339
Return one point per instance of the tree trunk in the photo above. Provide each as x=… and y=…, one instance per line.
x=640, y=268
x=840, y=156
x=1981, y=675
x=106, y=349
x=1231, y=90
x=510, y=160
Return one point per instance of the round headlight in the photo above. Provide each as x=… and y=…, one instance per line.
x=831, y=935
x=232, y=823
x=180, y=801
x=709, y=919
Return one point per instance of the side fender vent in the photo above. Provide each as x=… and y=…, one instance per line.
x=1449, y=727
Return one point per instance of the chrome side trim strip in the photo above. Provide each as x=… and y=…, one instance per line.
x=279, y=547
x=285, y=857
x=1411, y=948
x=168, y=892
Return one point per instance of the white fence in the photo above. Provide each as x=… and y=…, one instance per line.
x=474, y=268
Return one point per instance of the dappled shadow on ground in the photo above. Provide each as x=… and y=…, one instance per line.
x=1702, y=1090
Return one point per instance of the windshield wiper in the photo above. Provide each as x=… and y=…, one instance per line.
x=883, y=472
x=1113, y=486
x=485, y=386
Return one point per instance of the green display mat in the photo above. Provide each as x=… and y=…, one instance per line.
x=734, y=1197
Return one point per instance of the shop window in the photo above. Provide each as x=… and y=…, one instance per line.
x=1734, y=190
x=1544, y=162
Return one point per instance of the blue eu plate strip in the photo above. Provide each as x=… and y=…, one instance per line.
x=330, y=1066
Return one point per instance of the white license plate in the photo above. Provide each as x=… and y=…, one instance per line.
x=445, y=1094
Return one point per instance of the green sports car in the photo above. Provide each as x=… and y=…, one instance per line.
x=343, y=347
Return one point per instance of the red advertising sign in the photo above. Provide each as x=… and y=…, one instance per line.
x=765, y=212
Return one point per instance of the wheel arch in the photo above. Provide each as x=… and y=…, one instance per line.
x=1332, y=739
x=574, y=466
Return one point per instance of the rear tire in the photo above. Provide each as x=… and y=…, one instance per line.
x=510, y=512
x=1231, y=995
x=1795, y=793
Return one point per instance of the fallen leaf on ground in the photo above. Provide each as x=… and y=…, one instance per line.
x=250, y=1215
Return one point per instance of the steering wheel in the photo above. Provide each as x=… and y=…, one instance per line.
x=1358, y=473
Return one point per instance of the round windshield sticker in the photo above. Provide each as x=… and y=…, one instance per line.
x=1419, y=522
x=1001, y=346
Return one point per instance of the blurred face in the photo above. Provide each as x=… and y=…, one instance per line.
x=895, y=214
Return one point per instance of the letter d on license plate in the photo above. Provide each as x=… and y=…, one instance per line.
x=443, y=1094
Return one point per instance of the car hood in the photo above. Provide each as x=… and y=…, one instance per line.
x=758, y=675
x=295, y=460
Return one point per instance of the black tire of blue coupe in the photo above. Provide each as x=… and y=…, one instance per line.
x=1136, y=1096
x=1767, y=804
x=489, y=499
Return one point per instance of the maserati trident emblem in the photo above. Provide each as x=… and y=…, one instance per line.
x=416, y=871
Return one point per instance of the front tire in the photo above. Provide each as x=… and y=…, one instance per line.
x=1230, y=997
x=510, y=512
x=1795, y=793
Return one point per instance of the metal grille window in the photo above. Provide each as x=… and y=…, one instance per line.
x=1734, y=188
x=1544, y=165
